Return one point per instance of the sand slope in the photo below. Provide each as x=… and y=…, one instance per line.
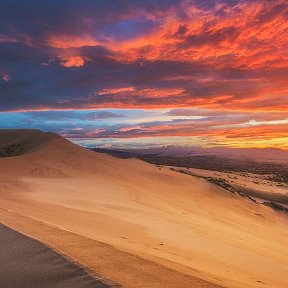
x=104, y=260
x=28, y=263
x=182, y=222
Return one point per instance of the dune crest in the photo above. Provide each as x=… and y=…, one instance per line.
x=176, y=220
x=30, y=140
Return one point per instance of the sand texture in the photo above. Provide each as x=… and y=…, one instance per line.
x=118, y=268
x=26, y=263
x=181, y=223
x=254, y=185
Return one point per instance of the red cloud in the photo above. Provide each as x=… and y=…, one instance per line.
x=71, y=41
x=248, y=34
x=146, y=93
x=73, y=61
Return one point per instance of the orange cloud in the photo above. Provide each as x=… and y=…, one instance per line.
x=116, y=90
x=247, y=35
x=71, y=41
x=148, y=92
x=240, y=38
x=73, y=61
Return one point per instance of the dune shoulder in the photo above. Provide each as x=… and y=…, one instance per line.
x=26, y=262
x=113, y=266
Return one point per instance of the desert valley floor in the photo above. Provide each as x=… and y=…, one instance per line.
x=132, y=224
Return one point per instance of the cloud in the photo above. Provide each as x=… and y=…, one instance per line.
x=65, y=41
x=5, y=77
x=103, y=115
x=74, y=61
x=144, y=93
x=72, y=115
x=225, y=126
x=225, y=61
x=110, y=91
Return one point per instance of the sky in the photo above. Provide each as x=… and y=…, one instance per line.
x=135, y=73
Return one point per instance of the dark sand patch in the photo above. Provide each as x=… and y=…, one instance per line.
x=27, y=263
x=265, y=196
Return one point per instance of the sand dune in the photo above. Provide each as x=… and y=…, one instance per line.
x=184, y=223
x=28, y=263
x=113, y=265
x=31, y=140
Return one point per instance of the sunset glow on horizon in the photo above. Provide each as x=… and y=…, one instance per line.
x=114, y=73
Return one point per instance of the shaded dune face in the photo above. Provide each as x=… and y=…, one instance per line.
x=26, y=263
x=176, y=220
x=21, y=141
